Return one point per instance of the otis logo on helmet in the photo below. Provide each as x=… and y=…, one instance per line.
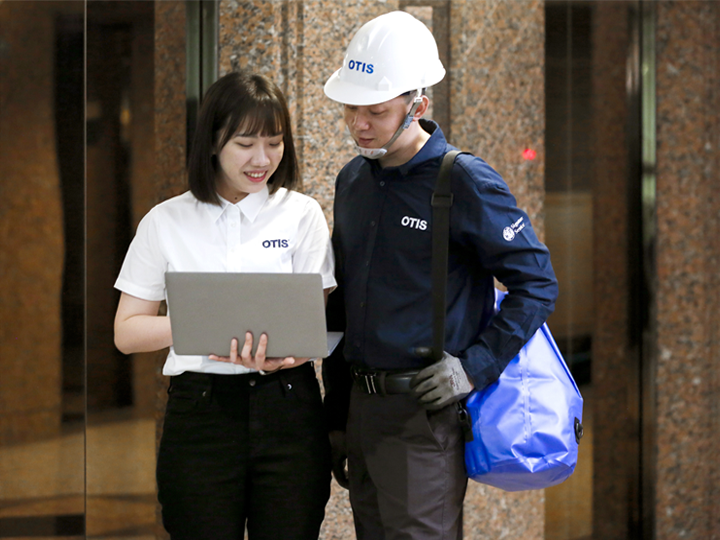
x=360, y=66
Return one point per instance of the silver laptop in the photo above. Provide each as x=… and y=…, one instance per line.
x=208, y=309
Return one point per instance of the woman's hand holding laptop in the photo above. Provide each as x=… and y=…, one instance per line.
x=258, y=362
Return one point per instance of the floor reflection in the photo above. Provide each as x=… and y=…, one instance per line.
x=42, y=492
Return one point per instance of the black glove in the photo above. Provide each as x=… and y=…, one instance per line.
x=442, y=383
x=338, y=456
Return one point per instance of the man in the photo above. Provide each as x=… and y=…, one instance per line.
x=390, y=412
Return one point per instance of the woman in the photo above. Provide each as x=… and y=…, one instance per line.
x=244, y=441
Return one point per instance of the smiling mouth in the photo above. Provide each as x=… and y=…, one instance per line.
x=256, y=176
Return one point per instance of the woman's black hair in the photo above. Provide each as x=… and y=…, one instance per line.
x=246, y=100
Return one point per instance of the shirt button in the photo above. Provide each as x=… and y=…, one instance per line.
x=362, y=304
x=382, y=183
x=372, y=223
x=252, y=382
x=289, y=386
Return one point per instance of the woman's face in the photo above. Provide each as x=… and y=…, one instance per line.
x=246, y=163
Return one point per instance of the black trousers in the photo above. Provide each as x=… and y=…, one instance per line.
x=244, y=450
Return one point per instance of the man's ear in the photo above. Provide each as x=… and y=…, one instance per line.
x=422, y=108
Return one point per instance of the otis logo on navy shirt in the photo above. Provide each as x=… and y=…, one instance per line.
x=414, y=223
x=275, y=244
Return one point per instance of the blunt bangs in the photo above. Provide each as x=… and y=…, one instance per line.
x=263, y=118
x=265, y=121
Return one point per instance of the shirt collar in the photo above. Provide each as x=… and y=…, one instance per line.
x=250, y=206
x=435, y=147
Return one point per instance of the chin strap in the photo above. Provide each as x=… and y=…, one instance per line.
x=376, y=153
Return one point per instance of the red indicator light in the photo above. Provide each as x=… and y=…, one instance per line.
x=529, y=154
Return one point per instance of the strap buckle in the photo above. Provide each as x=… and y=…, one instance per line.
x=369, y=380
x=442, y=200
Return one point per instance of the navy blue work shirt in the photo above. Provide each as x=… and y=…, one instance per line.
x=382, y=238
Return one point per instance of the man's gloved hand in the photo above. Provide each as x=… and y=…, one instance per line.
x=442, y=383
x=338, y=452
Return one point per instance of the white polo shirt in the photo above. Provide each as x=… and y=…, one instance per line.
x=283, y=233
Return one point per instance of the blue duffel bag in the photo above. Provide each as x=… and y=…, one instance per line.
x=526, y=426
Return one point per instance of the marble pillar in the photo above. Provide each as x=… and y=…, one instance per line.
x=686, y=378
x=31, y=227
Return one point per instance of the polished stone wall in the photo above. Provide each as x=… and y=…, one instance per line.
x=687, y=372
x=31, y=227
x=497, y=96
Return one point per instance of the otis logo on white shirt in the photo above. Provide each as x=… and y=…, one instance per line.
x=275, y=244
x=414, y=223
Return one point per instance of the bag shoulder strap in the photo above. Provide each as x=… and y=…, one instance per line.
x=442, y=200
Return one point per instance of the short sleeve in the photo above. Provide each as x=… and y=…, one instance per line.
x=313, y=253
x=143, y=271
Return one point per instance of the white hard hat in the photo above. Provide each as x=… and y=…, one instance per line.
x=390, y=55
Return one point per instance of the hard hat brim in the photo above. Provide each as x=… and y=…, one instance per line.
x=349, y=93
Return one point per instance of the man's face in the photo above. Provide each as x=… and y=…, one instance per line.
x=372, y=126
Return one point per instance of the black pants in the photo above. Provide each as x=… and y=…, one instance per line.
x=243, y=450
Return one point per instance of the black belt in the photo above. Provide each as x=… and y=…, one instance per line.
x=383, y=382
